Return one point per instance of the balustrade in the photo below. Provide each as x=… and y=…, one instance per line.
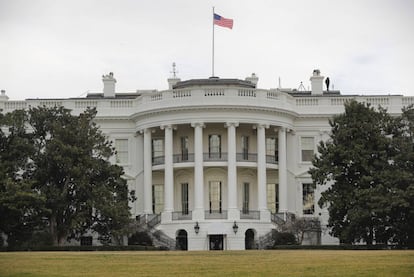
x=246, y=157
x=249, y=214
x=180, y=215
x=221, y=214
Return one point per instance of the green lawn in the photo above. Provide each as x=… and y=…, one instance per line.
x=228, y=263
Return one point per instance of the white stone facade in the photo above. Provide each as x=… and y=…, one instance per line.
x=218, y=153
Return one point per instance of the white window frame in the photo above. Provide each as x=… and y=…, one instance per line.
x=314, y=199
x=120, y=151
x=301, y=148
x=273, y=204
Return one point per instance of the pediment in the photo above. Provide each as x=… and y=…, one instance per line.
x=303, y=174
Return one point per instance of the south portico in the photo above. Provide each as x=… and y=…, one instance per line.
x=205, y=157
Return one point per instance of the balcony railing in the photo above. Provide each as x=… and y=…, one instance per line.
x=247, y=214
x=158, y=160
x=154, y=220
x=216, y=214
x=278, y=218
x=182, y=215
x=246, y=157
x=215, y=157
x=270, y=159
x=183, y=158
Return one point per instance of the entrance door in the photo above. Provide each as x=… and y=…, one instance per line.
x=249, y=239
x=181, y=240
x=216, y=242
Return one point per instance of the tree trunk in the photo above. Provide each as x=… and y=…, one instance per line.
x=370, y=237
x=53, y=230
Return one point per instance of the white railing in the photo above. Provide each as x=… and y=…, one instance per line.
x=122, y=104
x=156, y=96
x=406, y=101
x=307, y=102
x=50, y=103
x=214, y=92
x=15, y=105
x=272, y=95
x=340, y=101
x=83, y=104
x=382, y=101
x=181, y=93
x=213, y=96
x=246, y=93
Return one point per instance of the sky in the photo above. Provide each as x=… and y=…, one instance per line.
x=61, y=49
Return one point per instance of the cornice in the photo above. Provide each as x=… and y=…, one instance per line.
x=243, y=109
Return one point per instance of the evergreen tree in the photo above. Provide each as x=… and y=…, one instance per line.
x=401, y=180
x=355, y=162
x=83, y=190
x=20, y=206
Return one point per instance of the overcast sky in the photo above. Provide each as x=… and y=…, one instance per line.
x=61, y=49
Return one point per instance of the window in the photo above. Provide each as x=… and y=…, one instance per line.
x=273, y=197
x=184, y=198
x=215, y=196
x=246, y=196
x=245, y=147
x=157, y=198
x=308, y=192
x=86, y=240
x=271, y=149
x=157, y=151
x=121, y=146
x=307, y=146
x=214, y=146
x=184, y=148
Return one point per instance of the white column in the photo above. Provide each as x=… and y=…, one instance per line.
x=233, y=212
x=147, y=172
x=168, y=174
x=198, y=211
x=261, y=167
x=283, y=190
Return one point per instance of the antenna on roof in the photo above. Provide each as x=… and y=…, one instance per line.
x=301, y=87
x=280, y=83
x=174, y=70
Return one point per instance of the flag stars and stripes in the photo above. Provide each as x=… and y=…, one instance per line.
x=223, y=22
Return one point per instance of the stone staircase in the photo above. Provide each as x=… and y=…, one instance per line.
x=159, y=238
x=280, y=221
x=266, y=241
x=289, y=223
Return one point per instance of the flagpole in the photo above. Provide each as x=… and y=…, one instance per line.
x=212, y=64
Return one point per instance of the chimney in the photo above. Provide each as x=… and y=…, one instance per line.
x=109, y=85
x=253, y=79
x=317, y=82
x=3, y=96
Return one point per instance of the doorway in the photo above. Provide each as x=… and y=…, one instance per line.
x=216, y=242
x=249, y=242
x=181, y=240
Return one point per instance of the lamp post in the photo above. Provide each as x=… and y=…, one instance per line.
x=235, y=227
x=196, y=228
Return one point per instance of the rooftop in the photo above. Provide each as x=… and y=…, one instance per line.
x=214, y=81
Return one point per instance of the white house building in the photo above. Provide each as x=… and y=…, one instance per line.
x=218, y=163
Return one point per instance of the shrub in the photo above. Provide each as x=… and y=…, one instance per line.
x=140, y=238
x=283, y=238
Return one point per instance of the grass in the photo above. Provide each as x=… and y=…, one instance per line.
x=228, y=263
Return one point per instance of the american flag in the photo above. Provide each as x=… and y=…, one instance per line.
x=223, y=22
